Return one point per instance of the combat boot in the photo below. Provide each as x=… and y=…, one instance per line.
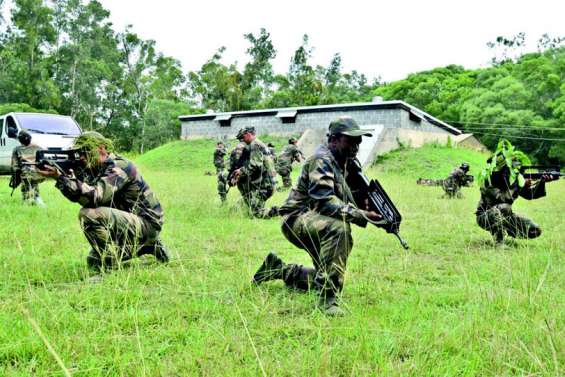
x=157, y=249
x=329, y=305
x=270, y=269
x=93, y=260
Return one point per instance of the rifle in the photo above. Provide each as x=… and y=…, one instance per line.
x=62, y=160
x=238, y=165
x=371, y=192
x=553, y=171
x=15, y=180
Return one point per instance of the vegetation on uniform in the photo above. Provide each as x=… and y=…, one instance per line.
x=452, y=305
x=507, y=156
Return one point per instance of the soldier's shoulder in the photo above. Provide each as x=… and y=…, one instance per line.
x=259, y=146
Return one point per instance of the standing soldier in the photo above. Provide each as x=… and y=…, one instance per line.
x=23, y=168
x=317, y=217
x=120, y=216
x=289, y=154
x=458, y=178
x=221, y=174
x=256, y=177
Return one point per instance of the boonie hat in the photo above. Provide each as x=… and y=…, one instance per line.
x=347, y=126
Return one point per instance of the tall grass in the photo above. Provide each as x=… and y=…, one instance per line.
x=452, y=305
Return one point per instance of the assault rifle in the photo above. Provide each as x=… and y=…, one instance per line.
x=238, y=164
x=15, y=180
x=553, y=171
x=467, y=181
x=62, y=160
x=370, y=195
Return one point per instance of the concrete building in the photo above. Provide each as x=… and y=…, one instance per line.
x=392, y=123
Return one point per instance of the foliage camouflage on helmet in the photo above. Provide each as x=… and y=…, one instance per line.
x=506, y=156
x=89, y=141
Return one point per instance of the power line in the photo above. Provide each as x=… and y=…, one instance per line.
x=515, y=128
x=497, y=124
x=522, y=137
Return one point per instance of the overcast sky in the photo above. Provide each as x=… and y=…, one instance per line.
x=379, y=38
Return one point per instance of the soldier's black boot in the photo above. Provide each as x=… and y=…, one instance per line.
x=157, y=249
x=329, y=305
x=93, y=260
x=270, y=269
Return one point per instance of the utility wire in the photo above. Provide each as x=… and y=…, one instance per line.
x=522, y=137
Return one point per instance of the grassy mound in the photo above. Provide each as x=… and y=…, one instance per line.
x=192, y=155
x=429, y=161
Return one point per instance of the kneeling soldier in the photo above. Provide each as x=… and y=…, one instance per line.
x=120, y=215
x=317, y=217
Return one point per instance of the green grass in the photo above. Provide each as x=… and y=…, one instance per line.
x=452, y=305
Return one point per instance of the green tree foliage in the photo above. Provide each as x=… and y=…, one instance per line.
x=64, y=56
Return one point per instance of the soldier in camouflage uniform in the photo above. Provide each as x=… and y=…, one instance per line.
x=317, y=217
x=458, y=178
x=256, y=178
x=289, y=154
x=120, y=216
x=272, y=151
x=221, y=173
x=494, y=212
x=23, y=158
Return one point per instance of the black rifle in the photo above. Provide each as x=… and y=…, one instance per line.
x=238, y=165
x=62, y=160
x=553, y=171
x=15, y=180
x=370, y=195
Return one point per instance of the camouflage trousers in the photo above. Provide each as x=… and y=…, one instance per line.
x=285, y=175
x=328, y=241
x=500, y=219
x=116, y=235
x=255, y=198
x=30, y=187
x=451, y=189
x=30, y=190
x=222, y=176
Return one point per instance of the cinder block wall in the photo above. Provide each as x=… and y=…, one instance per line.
x=390, y=118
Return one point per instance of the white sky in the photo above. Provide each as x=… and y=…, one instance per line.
x=379, y=38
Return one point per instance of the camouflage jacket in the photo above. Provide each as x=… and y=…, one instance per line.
x=259, y=169
x=289, y=154
x=322, y=187
x=456, y=178
x=498, y=191
x=118, y=184
x=219, y=154
x=22, y=155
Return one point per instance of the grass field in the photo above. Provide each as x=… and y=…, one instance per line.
x=453, y=305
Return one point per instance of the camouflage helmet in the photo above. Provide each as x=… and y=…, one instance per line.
x=243, y=131
x=91, y=140
x=24, y=137
x=292, y=140
x=465, y=167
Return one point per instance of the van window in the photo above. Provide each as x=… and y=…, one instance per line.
x=49, y=124
x=11, y=127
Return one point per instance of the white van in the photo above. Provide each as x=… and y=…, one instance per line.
x=49, y=131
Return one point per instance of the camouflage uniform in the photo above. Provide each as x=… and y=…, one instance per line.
x=221, y=173
x=121, y=217
x=494, y=212
x=21, y=155
x=316, y=218
x=289, y=154
x=257, y=180
x=452, y=184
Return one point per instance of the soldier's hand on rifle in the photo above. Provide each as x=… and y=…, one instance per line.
x=373, y=216
x=549, y=178
x=49, y=172
x=236, y=175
